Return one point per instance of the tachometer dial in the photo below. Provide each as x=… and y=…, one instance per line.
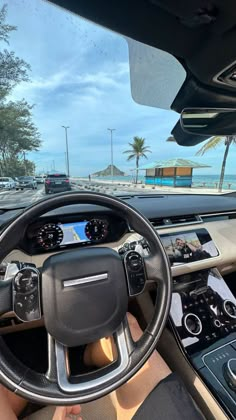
x=49, y=236
x=96, y=230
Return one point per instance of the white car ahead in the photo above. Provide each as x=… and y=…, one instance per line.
x=7, y=183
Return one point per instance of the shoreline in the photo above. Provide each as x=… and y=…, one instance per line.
x=126, y=187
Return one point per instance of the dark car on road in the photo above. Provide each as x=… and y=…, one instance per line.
x=25, y=182
x=57, y=183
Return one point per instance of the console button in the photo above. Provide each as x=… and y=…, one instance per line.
x=229, y=370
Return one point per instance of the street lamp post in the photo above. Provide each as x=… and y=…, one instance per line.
x=67, y=152
x=112, y=172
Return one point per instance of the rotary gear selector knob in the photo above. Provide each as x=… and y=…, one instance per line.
x=230, y=373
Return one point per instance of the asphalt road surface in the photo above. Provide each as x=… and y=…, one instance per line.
x=14, y=198
x=26, y=197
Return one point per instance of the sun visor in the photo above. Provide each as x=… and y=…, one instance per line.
x=155, y=75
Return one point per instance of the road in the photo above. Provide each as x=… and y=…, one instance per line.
x=13, y=197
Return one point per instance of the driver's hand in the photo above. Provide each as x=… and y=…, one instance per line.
x=63, y=413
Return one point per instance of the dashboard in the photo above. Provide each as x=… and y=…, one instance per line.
x=199, y=236
x=175, y=216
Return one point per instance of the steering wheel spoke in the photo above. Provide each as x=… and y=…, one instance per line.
x=51, y=373
x=5, y=296
x=154, y=269
x=59, y=367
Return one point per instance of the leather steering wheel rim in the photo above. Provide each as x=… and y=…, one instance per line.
x=37, y=387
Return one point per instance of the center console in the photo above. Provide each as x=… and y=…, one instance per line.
x=203, y=318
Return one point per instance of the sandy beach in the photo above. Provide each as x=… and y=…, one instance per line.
x=118, y=187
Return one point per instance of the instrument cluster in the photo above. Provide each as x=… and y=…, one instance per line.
x=52, y=235
x=69, y=232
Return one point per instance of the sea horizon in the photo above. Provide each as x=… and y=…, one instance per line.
x=207, y=181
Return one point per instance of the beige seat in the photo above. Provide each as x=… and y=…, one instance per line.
x=101, y=409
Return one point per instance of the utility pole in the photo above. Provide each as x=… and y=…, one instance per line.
x=67, y=152
x=112, y=172
x=65, y=161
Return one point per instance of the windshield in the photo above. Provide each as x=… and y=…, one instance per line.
x=67, y=111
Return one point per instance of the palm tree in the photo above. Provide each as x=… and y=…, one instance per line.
x=212, y=144
x=137, y=151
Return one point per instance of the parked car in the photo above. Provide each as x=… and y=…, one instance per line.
x=7, y=183
x=57, y=183
x=25, y=182
x=40, y=179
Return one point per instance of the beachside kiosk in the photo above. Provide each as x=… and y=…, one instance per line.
x=171, y=173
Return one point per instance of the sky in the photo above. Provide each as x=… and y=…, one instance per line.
x=80, y=78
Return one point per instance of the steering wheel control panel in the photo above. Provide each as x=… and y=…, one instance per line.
x=135, y=272
x=26, y=294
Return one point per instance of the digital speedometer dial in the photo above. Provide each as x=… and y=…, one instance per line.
x=49, y=236
x=96, y=230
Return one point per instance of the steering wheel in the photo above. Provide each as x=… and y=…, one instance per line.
x=83, y=296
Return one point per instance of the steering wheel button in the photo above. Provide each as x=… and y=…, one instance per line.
x=135, y=272
x=26, y=304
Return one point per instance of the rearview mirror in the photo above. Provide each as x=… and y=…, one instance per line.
x=209, y=121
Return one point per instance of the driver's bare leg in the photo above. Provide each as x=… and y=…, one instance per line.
x=8, y=406
x=130, y=396
x=11, y=405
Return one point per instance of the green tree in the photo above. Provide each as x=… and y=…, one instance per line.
x=15, y=167
x=138, y=150
x=212, y=144
x=18, y=134
x=13, y=70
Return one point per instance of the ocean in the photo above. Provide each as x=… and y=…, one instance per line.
x=205, y=181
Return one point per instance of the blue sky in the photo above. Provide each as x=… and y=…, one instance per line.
x=80, y=78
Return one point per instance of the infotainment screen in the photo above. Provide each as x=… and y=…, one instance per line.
x=189, y=246
x=74, y=233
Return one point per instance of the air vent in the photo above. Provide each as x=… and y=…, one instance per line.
x=124, y=197
x=218, y=217
x=140, y=197
x=175, y=221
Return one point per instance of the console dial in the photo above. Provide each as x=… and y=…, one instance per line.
x=192, y=324
x=229, y=308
